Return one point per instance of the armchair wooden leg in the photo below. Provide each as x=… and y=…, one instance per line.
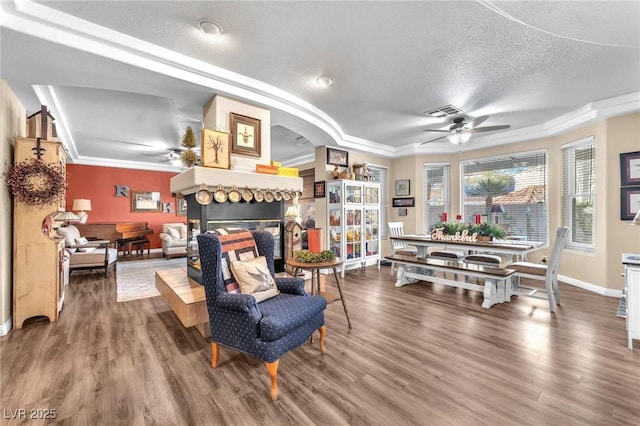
x=214, y=355
x=272, y=368
x=323, y=334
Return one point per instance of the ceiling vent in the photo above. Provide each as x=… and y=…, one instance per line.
x=443, y=111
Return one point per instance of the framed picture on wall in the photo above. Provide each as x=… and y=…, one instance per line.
x=215, y=149
x=181, y=205
x=630, y=168
x=404, y=202
x=145, y=202
x=318, y=189
x=629, y=202
x=402, y=212
x=337, y=157
x=245, y=135
x=403, y=187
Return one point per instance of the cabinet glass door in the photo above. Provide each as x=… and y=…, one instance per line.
x=371, y=195
x=353, y=230
x=353, y=193
x=371, y=229
x=335, y=193
x=335, y=230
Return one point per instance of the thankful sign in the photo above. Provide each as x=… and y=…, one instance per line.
x=464, y=236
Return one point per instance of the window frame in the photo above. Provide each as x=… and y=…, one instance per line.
x=569, y=192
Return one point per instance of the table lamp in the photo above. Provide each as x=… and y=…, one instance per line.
x=67, y=217
x=636, y=219
x=82, y=205
x=291, y=213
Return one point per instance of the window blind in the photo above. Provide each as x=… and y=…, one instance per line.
x=436, y=194
x=515, y=183
x=579, y=194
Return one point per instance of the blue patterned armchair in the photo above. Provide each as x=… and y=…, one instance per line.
x=267, y=329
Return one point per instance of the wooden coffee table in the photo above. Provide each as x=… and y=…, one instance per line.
x=315, y=268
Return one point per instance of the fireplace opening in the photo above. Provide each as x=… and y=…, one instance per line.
x=252, y=215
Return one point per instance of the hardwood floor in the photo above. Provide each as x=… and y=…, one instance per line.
x=422, y=354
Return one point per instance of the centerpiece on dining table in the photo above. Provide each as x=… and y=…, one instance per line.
x=466, y=232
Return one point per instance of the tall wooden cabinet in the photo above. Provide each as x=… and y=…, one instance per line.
x=38, y=255
x=353, y=208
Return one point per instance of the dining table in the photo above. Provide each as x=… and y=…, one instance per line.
x=512, y=249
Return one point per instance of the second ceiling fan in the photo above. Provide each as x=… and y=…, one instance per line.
x=460, y=132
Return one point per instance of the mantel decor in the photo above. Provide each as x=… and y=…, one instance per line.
x=36, y=182
x=215, y=149
x=245, y=135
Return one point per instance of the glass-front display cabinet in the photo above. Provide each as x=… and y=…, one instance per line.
x=253, y=216
x=353, y=210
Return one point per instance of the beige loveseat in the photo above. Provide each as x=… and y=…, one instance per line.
x=87, y=254
x=174, y=239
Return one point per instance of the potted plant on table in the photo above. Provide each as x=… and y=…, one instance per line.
x=487, y=232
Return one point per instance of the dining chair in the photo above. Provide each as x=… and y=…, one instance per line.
x=547, y=273
x=396, y=229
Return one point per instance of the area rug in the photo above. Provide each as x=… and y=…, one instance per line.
x=137, y=279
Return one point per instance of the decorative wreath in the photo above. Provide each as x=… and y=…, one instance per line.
x=36, y=182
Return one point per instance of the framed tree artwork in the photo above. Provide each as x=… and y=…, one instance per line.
x=215, y=149
x=245, y=135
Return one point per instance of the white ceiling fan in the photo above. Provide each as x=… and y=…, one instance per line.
x=460, y=132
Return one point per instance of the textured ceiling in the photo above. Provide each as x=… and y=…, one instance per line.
x=132, y=83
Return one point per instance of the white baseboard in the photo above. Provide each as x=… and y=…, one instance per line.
x=6, y=327
x=590, y=287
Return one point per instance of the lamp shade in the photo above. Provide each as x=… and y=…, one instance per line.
x=67, y=217
x=82, y=204
x=636, y=219
x=497, y=208
x=459, y=138
x=291, y=212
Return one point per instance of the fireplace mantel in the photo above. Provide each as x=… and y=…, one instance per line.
x=189, y=181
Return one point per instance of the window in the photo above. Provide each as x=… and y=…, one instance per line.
x=436, y=193
x=579, y=193
x=514, y=186
x=380, y=175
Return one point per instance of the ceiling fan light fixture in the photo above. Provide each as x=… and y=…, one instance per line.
x=459, y=138
x=325, y=80
x=210, y=28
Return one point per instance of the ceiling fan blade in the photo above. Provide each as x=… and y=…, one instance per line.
x=433, y=140
x=490, y=128
x=473, y=123
x=430, y=130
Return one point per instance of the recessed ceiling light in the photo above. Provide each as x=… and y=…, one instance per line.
x=325, y=80
x=210, y=28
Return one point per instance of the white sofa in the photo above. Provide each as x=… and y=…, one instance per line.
x=174, y=239
x=94, y=254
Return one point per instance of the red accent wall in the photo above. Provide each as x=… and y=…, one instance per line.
x=98, y=184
